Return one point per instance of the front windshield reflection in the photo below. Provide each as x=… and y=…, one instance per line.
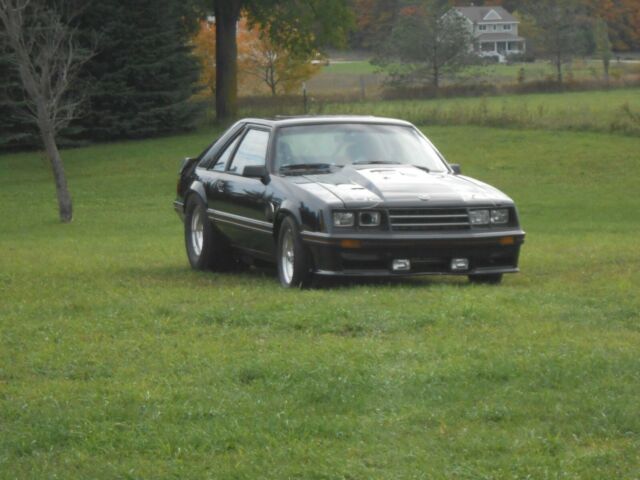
x=353, y=144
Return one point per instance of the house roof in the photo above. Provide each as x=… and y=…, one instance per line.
x=498, y=37
x=486, y=14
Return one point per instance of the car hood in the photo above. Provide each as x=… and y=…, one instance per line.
x=403, y=185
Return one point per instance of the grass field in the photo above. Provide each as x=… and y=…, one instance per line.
x=347, y=76
x=616, y=110
x=118, y=361
x=533, y=71
x=605, y=111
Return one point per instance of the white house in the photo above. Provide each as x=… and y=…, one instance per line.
x=495, y=31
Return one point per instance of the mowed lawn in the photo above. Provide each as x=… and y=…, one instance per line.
x=118, y=361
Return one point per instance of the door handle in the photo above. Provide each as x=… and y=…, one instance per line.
x=220, y=186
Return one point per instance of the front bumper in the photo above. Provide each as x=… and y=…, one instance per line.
x=373, y=255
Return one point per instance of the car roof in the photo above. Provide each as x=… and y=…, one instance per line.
x=288, y=121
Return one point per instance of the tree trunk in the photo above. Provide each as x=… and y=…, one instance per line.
x=435, y=81
x=62, y=191
x=227, y=14
x=559, y=68
x=272, y=80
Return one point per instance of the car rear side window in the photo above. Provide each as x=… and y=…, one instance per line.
x=224, y=158
x=252, y=151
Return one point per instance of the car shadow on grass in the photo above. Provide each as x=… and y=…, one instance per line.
x=268, y=276
x=321, y=282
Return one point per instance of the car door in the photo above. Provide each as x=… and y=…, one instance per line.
x=238, y=204
x=213, y=166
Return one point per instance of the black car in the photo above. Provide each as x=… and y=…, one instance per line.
x=338, y=195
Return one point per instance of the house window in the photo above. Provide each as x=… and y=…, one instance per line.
x=488, y=47
x=506, y=27
x=482, y=28
x=495, y=28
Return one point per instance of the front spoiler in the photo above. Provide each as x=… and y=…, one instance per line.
x=389, y=273
x=372, y=255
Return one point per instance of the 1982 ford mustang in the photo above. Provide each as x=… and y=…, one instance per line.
x=334, y=195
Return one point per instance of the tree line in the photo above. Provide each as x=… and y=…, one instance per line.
x=113, y=69
x=420, y=42
x=375, y=19
x=102, y=70
x=140, y=81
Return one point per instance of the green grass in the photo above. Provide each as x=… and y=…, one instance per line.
x=350, y=68
x=540, y=70
x=118, y=361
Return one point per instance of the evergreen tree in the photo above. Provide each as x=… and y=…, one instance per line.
x=144, y=73
x=16, y=131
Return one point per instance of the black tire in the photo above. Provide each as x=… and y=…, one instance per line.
x=294, y=270
x=207, y=251
x=487, y=279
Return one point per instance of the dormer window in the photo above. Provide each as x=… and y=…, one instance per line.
x=506, y=27
x=495, y=28
x=482, y=28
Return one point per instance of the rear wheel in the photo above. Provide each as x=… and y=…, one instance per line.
x=206, y=248
x=293, y=259
x=487, y=279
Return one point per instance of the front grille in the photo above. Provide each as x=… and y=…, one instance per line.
x=428, y=219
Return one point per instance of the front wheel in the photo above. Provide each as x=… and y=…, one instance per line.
x=487, y=279
x=293, y=260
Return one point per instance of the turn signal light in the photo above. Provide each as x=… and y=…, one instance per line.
x=350, y=243
x=507, y=241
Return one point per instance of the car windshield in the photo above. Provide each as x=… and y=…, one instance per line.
x=344, y=144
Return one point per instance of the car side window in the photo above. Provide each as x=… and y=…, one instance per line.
x=252, y=151
x=221, y=163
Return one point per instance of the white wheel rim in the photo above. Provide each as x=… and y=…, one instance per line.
x=197, y=232
x=287, y=257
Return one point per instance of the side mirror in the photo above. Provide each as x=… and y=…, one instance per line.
x=256, y=171
x=457, y=170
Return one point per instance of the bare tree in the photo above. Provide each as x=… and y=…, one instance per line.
x=427, y=42
x=603, y=45
x=47, y=58
x=559, y=23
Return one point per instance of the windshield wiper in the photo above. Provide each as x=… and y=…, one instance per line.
x=422, y=168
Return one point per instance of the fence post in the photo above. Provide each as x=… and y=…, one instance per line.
x=304, y=98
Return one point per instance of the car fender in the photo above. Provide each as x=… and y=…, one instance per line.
x=287, y=208
x=196, y=188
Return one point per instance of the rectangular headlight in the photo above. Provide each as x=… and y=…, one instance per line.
x=343, y=219
x=369, y=219
x=500, y=216
x=479, y=217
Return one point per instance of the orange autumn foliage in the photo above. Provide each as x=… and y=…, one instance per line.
x=262, y=65
x=623, y=19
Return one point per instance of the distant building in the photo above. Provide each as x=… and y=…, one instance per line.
x=495, y=31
